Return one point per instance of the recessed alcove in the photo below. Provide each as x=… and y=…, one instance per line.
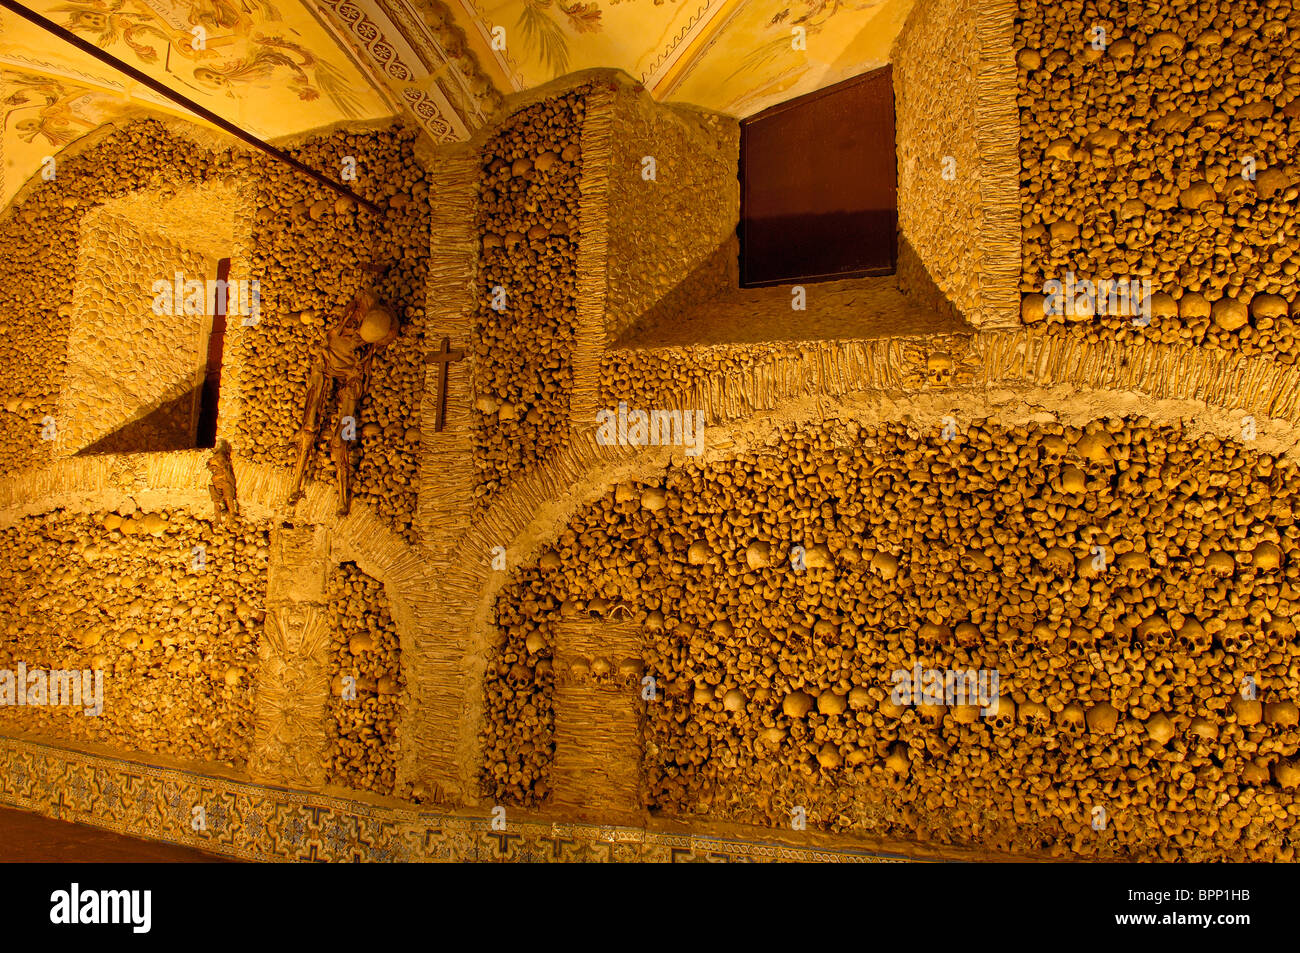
x=676, y=266
x=139, y=357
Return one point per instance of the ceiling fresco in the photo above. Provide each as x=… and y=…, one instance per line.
x=280, y=68
x=734, y=56
x=272, y=68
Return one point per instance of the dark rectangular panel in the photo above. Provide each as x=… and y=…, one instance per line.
x=819, y=187
x=210, y=396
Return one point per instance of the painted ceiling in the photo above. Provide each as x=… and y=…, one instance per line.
x=280, y=68
x=734, y=56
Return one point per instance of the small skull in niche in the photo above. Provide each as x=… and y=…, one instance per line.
x=950, y=363
x=939, y=369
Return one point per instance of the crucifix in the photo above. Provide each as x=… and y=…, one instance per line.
x=444, y=358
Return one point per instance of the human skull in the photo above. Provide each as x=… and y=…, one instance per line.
x=1194, y=306
x=377, y=324
x=1080, y=640
x=1155, y=632
x=939, y=369
x=1237, y=192
x=1034, y=714
x=1054, y=448
x=1233, y=638
x=931, y=635
x=1121, y=54
x=1266, y=556
x=1004, y=718
x=1072, y=720
x=1280, y=631
x=1270, y=307
x=519, y=676
x=1220, y=564
x=1163, y=308
x=1193, y=638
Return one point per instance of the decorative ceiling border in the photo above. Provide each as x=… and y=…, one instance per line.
x=448, y=94
x=681, y=42
x=364, y=62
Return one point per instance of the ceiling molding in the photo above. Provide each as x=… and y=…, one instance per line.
x=448, y=95
x=505, y=62
x=695, y=39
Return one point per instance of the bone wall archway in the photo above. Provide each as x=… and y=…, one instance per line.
x=307, y=543
x=1009, y=376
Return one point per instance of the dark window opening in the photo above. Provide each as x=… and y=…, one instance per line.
x=210, y=395
x=818, y=185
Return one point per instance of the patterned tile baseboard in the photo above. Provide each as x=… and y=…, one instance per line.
x=274, y=824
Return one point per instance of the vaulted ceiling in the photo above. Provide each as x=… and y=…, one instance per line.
x=283, y=67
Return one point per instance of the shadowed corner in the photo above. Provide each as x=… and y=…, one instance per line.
x=709, y=307
x=168, y=426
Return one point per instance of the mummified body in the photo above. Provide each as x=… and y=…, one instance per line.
x=222, y=489
x=366, y=328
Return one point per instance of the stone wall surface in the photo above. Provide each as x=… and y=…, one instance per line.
x=935, y=68
x=39, y=274
x=132, y=375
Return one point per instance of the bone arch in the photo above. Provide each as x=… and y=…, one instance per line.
x=534, y=513
x=179, y=481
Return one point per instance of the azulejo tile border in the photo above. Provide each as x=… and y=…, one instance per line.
x=253, y=822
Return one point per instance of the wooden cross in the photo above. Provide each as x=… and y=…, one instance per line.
x=444, y=358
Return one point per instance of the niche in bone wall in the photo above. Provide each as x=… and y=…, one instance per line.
x=365, y=682
x=598, y=721
x=137, y=354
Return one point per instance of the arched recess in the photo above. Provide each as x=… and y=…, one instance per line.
x=1013, y=378
x=122, y=212
x=180, y=480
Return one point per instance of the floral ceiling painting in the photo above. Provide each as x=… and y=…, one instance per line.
x=276, y=69
x=735, y=56
x=280, y=68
